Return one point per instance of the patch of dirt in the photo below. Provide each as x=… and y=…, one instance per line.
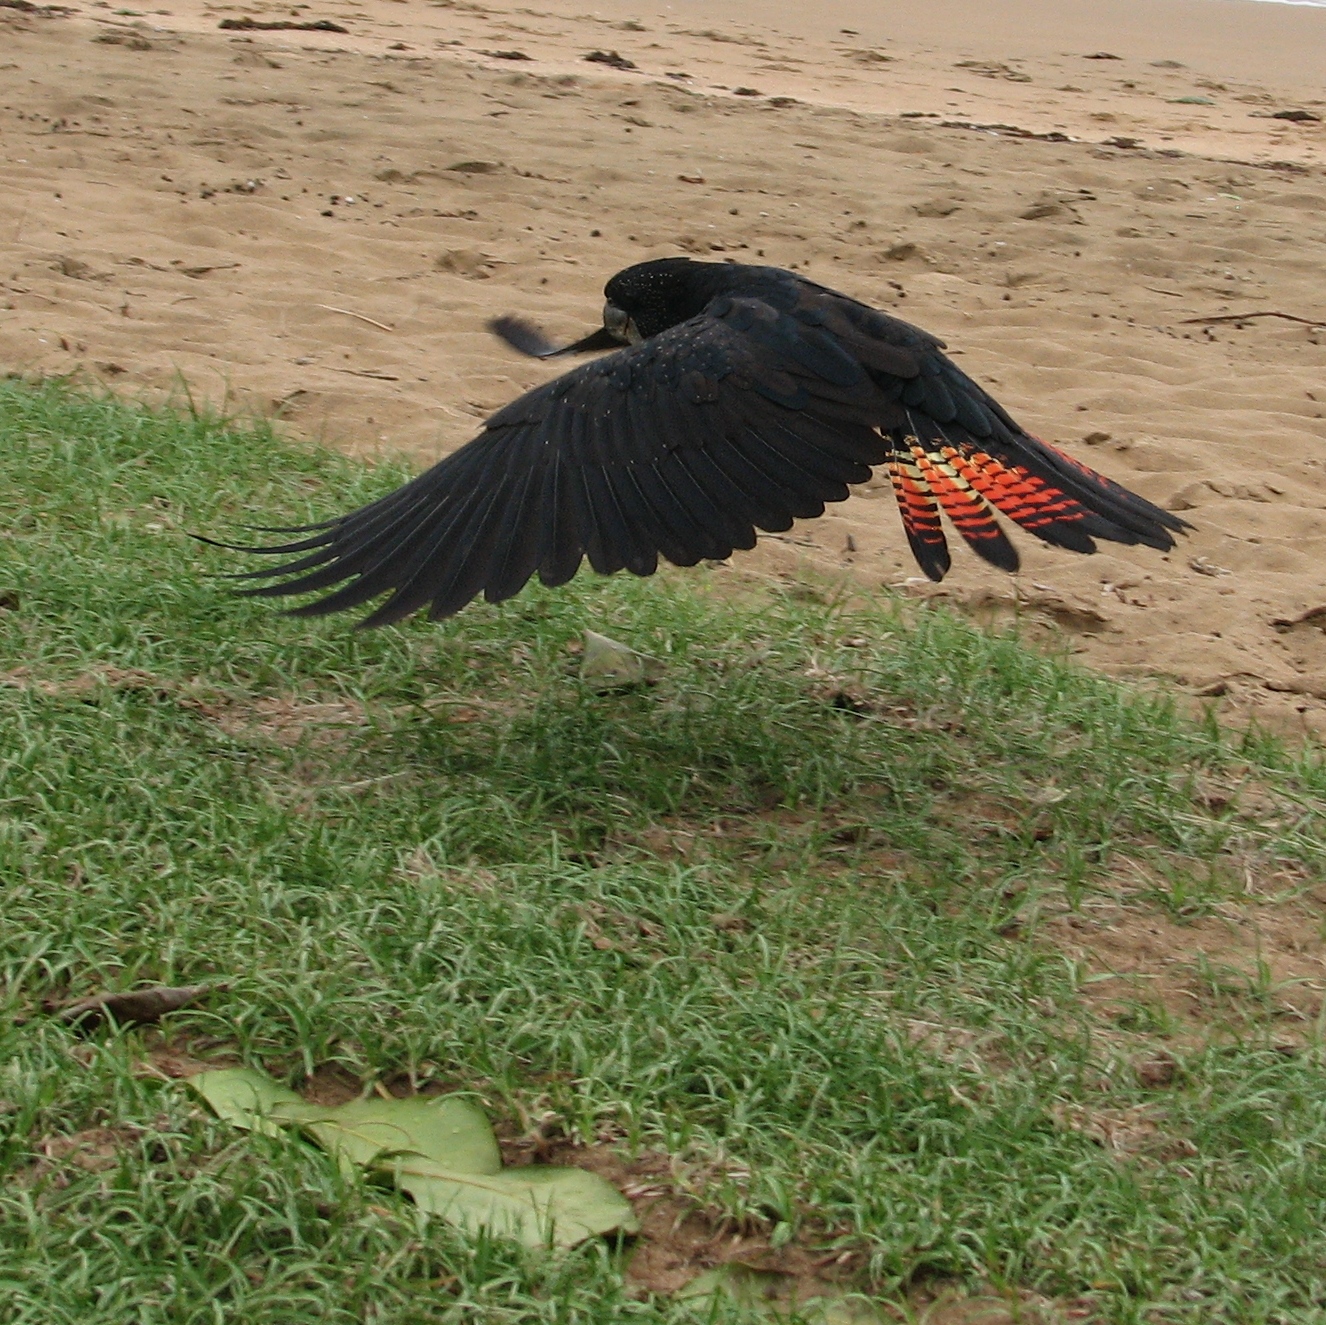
x=1136, y=1131
x=973, y=1050
x=1043, y=613
x=952, y=1307
x=331, y=1085
x=609, y=929
x=841, y=830
x=87, y=685
x=63, y=1157
x=94, y=1149
x=174, y=1061
x=285, y=719
x=1185, y=978
x=680, y=1236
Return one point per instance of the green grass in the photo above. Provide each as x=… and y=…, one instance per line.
x=717, y=918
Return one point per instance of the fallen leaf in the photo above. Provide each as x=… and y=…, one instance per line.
x=247, y=24
x=441, y=1151
x=937, y=207
x=535, y=1204
x=450, y=1131
x=1038, y=211
x=1313, y=615
x=608, y=665
x=611, y=58
x=249, y=1100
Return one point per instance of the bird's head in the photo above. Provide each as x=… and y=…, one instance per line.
x=653, y=296
x=641, y=301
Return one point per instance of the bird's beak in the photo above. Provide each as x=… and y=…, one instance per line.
x=615, y=322
x=620, y=325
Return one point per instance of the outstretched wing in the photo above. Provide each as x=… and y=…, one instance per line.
x=680, y=447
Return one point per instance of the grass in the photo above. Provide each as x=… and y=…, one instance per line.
x=780, y=917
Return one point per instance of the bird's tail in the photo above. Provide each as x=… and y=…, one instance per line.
x=1034, y=484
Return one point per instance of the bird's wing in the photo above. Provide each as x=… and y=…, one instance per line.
x=680, y=447
x=955, y=448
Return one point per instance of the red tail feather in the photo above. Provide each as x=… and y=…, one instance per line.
x=920, y=516
x=1021, y=495
x=952, y=480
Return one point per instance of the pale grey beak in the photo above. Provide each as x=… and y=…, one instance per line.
x=621, y=325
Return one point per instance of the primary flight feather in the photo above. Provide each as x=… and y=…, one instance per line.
x=735, y=398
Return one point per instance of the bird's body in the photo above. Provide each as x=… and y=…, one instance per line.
x=747, y=397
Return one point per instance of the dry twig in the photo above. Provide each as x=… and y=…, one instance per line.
x=1247, y=317
x=372, y=322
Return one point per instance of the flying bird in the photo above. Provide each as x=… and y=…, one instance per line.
x=734, y=398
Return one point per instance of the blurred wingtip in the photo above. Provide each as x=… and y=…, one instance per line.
x=522, y=336
x=525, y=338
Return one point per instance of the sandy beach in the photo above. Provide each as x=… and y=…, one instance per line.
x=1114, y=214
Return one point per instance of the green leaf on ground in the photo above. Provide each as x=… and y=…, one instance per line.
x=536, y=1204
x=608, y=665
x=447, y=1158
x=248, y=1099
x=453, y=1132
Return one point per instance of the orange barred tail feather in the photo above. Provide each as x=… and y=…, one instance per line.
x=920, y=516
x=958, y=485
x=1044, y=490
x=1026, y=498
x=1135, y=512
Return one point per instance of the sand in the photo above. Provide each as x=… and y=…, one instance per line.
x=314, y=226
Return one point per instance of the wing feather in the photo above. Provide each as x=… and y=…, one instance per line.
x=607, y=543
x=791, y=472
x=561, y=537
x=647, y=537
x=516, y=544
x=703, y=504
